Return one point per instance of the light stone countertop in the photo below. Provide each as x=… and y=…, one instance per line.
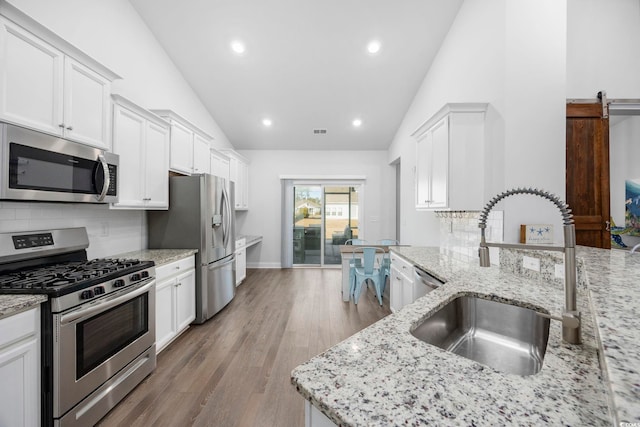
x=249, y=240
x=383, y=376
x=159, y=256
x=14, y=304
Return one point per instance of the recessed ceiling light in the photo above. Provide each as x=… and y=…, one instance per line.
x=357, y=123
x=267, y=122
x=373, y=47
x=238, y=47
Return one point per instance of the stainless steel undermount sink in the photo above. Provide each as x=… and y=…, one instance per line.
x=506, y=337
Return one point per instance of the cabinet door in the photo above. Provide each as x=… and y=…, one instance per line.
x=219, y=165
x=157, y=166
x=423, y=171
x=185, y=299
x=244, y=185
x=241, y=265
x=19, y=394
x=86, y=105
x=31, y=77
x=181, y=157
x=201, y=155
x=165, y=313
x=395, y=291
x=129, y=134
x=440, y=164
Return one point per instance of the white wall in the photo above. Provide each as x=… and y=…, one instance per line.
x=603, y=51
x=511, y=55
x=112, y=32
x=264, y=215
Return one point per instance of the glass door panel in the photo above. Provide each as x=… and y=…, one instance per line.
x=340, y=220
x=307, y=225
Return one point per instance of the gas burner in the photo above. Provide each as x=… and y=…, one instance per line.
x=58, y=276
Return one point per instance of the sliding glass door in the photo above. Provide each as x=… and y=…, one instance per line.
x=325, y=217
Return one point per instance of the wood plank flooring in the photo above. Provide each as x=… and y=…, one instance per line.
x=234, y=370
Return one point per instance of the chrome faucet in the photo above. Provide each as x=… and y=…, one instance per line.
x=571, y=320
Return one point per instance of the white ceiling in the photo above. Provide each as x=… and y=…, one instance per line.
x=305, y=67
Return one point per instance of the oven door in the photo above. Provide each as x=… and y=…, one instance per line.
x=37, y=166
x=94, y=342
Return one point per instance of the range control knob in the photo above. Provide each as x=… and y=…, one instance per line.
x=118, y=283
x=88, y=294
x=135, y=277
x=98, y=290
x=145, y=274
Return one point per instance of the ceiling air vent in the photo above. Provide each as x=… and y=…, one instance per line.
x=319, y=131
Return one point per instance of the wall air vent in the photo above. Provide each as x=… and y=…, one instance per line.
x=319, y=131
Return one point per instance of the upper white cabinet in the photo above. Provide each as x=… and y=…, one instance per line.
x=48, y=85
x=239, y=175
x=142, y=141
x=189, y=152
x=220, y=164
x=450, y=159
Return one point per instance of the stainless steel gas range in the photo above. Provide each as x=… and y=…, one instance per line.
x=98, y=325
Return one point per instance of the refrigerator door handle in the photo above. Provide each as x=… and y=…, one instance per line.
x=227, y=218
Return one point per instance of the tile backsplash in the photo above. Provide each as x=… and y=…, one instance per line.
x=110, y=231
x=460, y=235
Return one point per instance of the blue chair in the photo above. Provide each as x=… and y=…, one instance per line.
x=354, y=262
x=368, y=271
x=386, y=261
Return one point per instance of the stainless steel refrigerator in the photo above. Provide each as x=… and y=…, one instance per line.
x=201, y=216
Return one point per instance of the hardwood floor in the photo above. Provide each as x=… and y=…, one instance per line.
x=234, y=370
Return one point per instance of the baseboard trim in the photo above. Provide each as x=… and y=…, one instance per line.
x=264, y=265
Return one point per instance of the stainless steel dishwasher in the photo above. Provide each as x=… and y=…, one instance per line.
x=424, y=282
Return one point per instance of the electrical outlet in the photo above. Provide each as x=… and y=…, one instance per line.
x=531, y=263
x=559, y=271
x=104, y=229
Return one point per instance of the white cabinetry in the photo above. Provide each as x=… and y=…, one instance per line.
x=241, y=260
x=239, y=174
x=20, y=369
x=450, y=159
x=401, y=283
x=47, y=85
x=190, y=147
x=175, y=300
x=219, y=164
x=142, y=141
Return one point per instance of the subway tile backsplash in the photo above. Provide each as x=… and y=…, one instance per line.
x=460, y=235
x=110, y=231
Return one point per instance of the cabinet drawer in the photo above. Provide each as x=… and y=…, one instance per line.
x=21, y=325
x=240, y=243
x=402, y=265
x=170, y=269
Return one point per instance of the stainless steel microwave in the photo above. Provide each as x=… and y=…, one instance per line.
x=39, y=167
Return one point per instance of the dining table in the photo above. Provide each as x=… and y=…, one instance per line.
x=347, y=253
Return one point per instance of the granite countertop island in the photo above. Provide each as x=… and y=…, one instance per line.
x=383, y=376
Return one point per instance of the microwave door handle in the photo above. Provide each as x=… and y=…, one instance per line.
x=107, y=178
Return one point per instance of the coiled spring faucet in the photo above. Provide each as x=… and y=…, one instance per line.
x=571, y=316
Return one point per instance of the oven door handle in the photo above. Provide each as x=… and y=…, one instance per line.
x=109, y=303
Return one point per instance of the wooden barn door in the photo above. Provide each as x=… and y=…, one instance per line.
x=587, y=177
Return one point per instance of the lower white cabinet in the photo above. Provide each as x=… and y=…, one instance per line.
x=315, y=418
x=20, y=369
x=175, y=300
x=401, y=283
x=241, y=260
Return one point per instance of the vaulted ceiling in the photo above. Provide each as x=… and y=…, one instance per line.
x=305, y=65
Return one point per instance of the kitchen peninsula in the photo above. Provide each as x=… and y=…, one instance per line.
x=384, y=376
